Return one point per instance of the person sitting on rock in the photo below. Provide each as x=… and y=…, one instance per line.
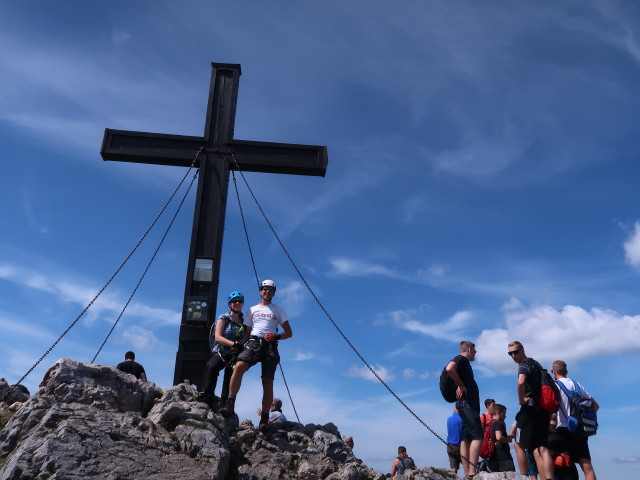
x=227, y=336
x=275, y=412
x=402, y=462
x=131, y=366
x=348, y=441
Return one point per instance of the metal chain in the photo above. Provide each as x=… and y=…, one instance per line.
x=255, y=272
x=115, y=273
x=244, y=225
x=355, y=350
x=184, y=197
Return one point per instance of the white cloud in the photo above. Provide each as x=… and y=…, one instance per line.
x=570, y=333
x=141, y=339
x=408, y=373
x=632, y=247
x=301, y=357
x=363, y=372
x=630, y=459
x=451, y=329
x=356, y=268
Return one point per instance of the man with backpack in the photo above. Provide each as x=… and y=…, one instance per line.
x=533, y=421
x=402, y=462
x=574, y=443
x=468, y=405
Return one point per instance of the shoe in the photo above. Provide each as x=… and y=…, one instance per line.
x=228, y=409
x=264, y=426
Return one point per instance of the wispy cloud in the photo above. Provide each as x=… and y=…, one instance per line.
x=141, y=338
x=629, y=459
x=450, y=329
x=364, y=373
x=632, y=247
x=70, y=291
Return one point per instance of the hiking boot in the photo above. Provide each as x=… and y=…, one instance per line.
x=228, y=409
x=264, y=426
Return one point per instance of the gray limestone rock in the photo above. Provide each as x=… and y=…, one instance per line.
x=93, y=421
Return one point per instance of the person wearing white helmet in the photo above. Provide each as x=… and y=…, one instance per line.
x=262, y=321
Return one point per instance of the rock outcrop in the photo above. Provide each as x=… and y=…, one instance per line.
x=93, y=421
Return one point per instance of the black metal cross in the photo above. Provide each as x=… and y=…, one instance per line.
x=203, y=270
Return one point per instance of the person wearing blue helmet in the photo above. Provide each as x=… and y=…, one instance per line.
x=226, y=337
x=263, y=322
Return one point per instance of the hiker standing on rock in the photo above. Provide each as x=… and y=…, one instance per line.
x=533, y=421
x=262, y=324
x=228, y=336
x=468, y=405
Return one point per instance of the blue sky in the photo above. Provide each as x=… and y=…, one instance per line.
x=483, y=163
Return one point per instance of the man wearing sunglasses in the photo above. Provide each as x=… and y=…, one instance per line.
x=262, y=322
x=533, y=422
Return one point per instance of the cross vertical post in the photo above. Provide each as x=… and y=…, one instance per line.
x=215, y=162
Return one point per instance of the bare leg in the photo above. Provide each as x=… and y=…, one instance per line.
x=267, y=394
x=464, y=454
x=544, y=461
x=474, y=454
x=236, y=378
x=587, y=468
x=521, y=457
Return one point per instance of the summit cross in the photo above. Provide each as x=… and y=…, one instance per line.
x=217, y=144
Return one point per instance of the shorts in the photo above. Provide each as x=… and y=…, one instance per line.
x=259, y=350
x=471, y=426
x=563, y=441
x=454, y=456
x=533, y=427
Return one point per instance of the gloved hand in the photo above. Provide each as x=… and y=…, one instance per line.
x=270, y=337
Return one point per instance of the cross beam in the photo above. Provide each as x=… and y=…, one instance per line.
x=203, y=269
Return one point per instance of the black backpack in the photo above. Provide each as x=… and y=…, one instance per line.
x=447, y=386
x=405, y=463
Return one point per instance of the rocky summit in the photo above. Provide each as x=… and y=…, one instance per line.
x=93, y=421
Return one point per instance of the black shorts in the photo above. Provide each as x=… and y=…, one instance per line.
x=259, y=350
x=533, y=427
x=471, y=426
x=563, y=441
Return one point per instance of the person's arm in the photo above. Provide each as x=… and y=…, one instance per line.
x=220, y=338
x=143, y=376
x=522, y=378
x=502, y=438
x=452, y=371
x=394, y=467
x=286, y=333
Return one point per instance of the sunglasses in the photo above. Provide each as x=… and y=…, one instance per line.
x=236, y=301
x=513, y=352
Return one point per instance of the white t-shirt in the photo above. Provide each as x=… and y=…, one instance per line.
x=276, y=416
x=564, y=407
x=265, y=319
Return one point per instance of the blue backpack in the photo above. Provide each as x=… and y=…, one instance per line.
x=582, y=416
